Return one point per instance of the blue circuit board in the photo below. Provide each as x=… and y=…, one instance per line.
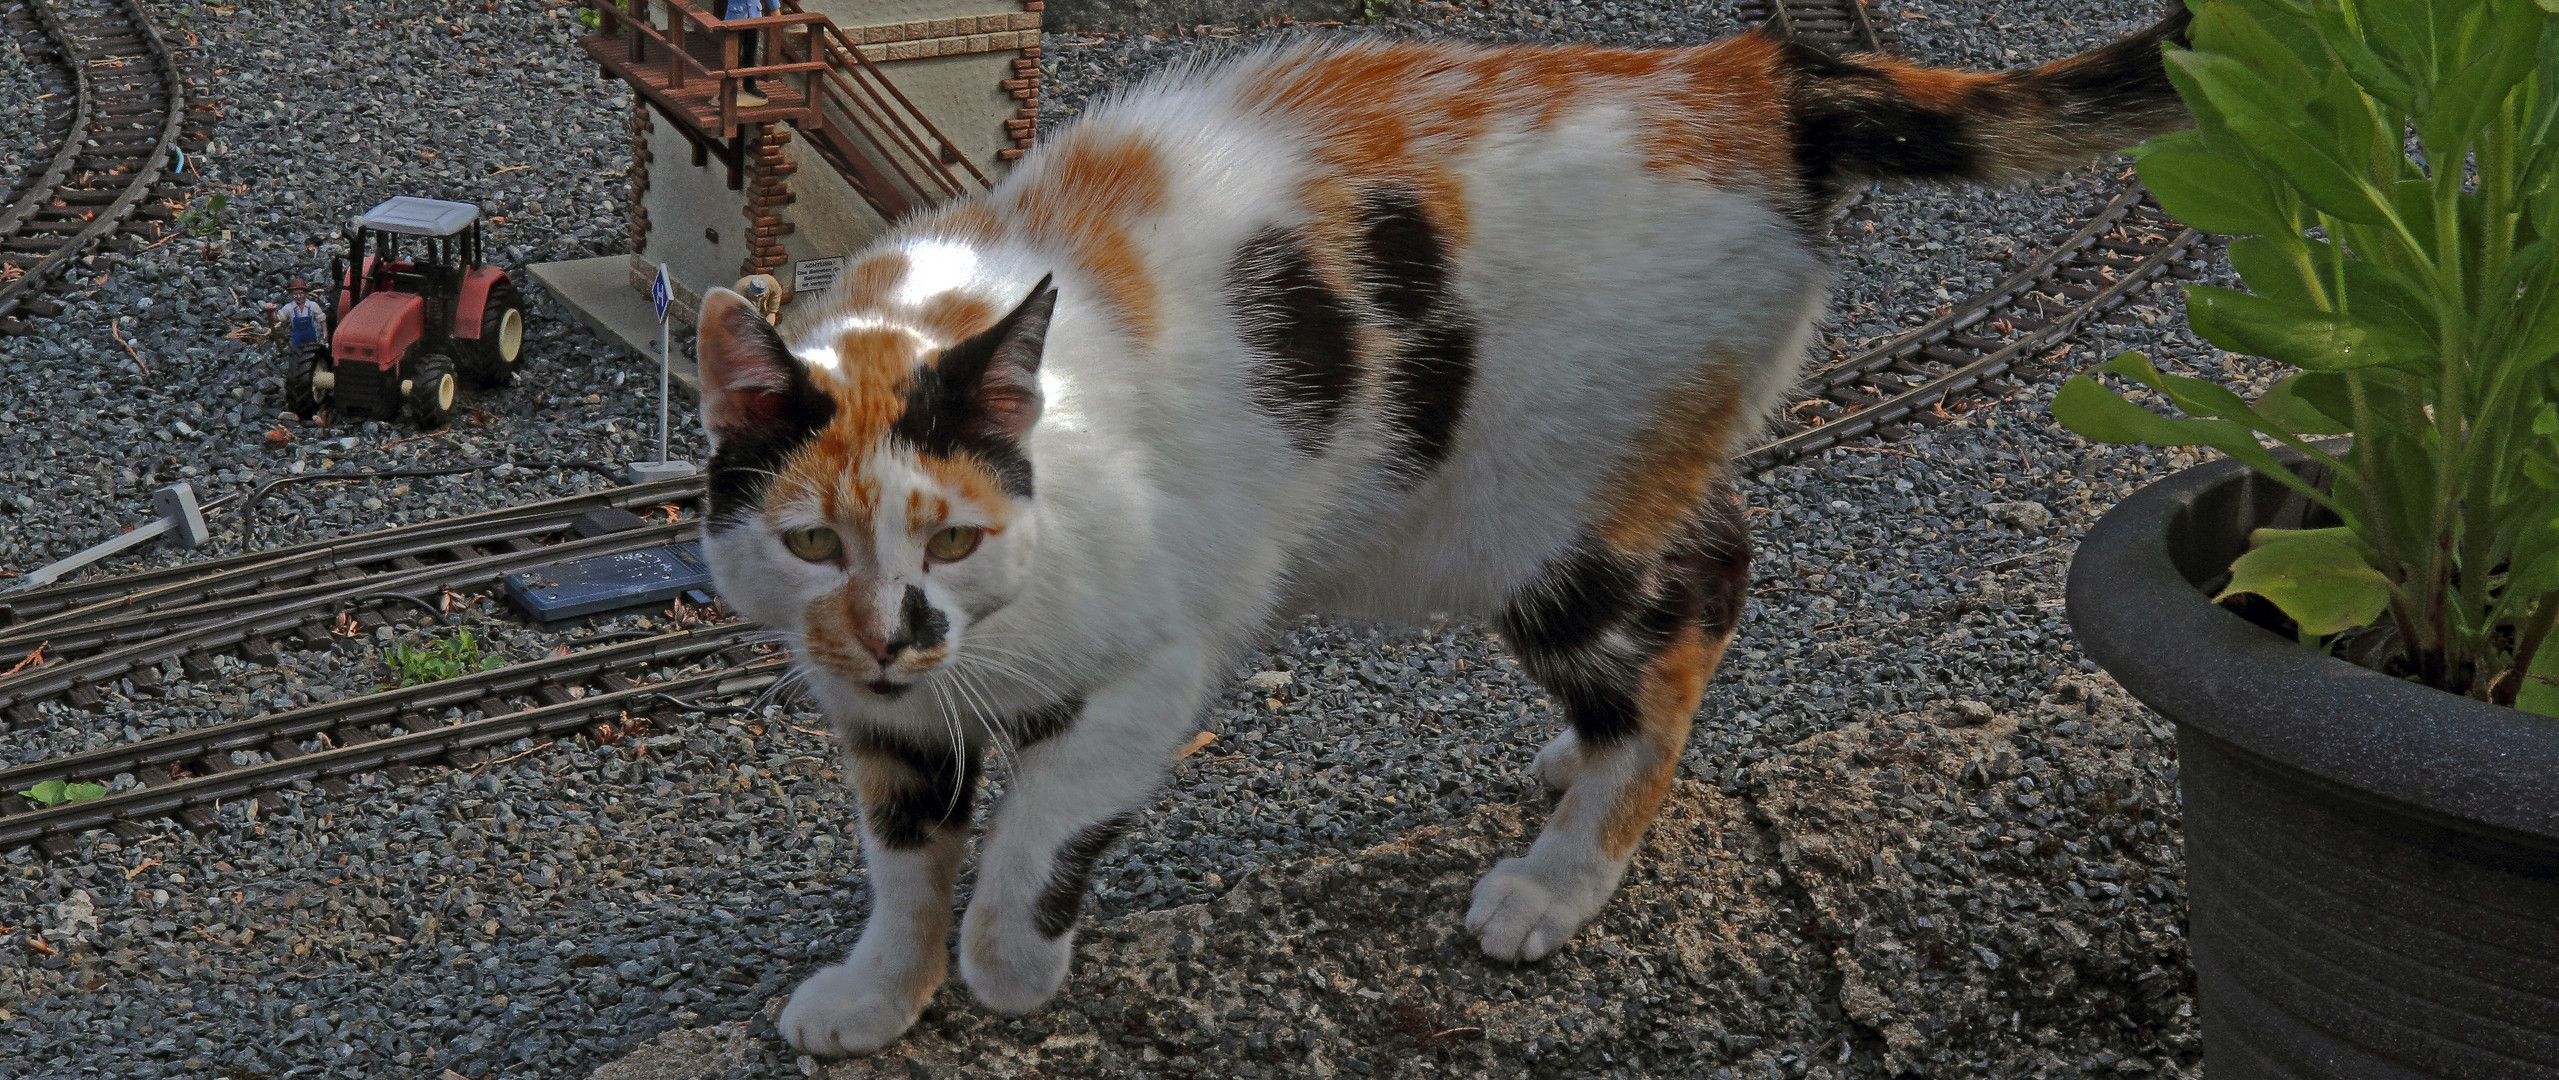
x=602, y=583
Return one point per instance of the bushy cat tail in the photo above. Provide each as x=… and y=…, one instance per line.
x=1879, y=117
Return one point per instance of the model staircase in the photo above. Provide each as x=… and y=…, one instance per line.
x=687, y=65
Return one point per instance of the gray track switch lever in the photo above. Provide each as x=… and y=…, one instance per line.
x=179, y=519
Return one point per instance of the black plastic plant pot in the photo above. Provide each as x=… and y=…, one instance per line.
x=2373, y=866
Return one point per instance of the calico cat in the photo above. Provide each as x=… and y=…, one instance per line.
x=1374, y=329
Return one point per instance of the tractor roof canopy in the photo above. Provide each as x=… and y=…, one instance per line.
x=412, y=216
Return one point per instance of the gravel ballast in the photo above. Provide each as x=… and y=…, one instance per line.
x=1914, y=833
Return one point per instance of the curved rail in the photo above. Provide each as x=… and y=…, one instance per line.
x=103, y=170
x=2122, y=247
x=187, y=774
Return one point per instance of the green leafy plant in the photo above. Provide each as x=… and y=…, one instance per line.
x=588, y=18
x=2417, y=300
x=1376, y=10
x=205, y=220
x=2390, y=165
x=438, y=660
x=57, y=792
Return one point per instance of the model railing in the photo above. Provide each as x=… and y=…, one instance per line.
x=814, y=78
x=855, y=98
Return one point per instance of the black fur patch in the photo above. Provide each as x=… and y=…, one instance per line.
x=939, y=792
x=1558, y=625
x=950, y=401
x=1428, y=382
x=1406, y=272
x=920, y=625
x=1062, y=899
x=750, y=453
x=1852, y=120
x=1587, y=626
x=1041, y=725
x=1301, y=331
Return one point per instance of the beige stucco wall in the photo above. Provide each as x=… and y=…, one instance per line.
x=961, y=96
x=682, y=202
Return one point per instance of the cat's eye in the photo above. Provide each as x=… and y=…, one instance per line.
x=815, y=545
x=953, y=544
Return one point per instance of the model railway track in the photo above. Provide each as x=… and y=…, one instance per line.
x=133, y=655
x=2116, y=252
x=187, y=776
x=112, y=141
x=35, y=613
x=1837, y=27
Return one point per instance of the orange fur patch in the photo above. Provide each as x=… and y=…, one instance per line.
x=953, y=316
x=1091, y=190
x=1392, y=115
x=837, y=625
x=971, y=482
x=1666, y=469
x=1667, y=699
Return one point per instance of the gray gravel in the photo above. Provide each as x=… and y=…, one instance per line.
x=21, y=126
x=315, y=128
x=545, y=916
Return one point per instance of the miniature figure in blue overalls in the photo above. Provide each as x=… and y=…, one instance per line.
x=747, y=94
x=304, y=321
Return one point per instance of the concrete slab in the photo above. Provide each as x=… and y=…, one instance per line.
x=598, y=291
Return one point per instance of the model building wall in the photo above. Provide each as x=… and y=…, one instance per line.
x=970, y=66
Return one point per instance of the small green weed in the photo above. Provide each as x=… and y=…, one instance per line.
x=57, y=792
x=205, y=220
x=439, y=660
x=1376, y=10
x=589, y=19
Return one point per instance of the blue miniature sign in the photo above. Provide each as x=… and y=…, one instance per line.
x=660, y=293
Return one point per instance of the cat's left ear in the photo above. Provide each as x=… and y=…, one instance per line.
x=990, y=382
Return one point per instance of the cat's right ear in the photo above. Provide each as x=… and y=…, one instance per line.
x=750, y=382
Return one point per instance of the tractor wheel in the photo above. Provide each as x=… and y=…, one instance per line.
x=428, y=384
x=492, y=359
x=302, y=393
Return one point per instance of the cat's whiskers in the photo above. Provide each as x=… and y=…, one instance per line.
x=964, y=684
x=959, y=749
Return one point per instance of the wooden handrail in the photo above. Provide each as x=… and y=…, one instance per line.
x=726, y=30
x=837, y=44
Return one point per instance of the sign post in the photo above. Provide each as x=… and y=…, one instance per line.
x=662, y=297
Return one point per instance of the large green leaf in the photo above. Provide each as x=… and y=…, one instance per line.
x=2314, y=575
x=2210, y=191
x=2302, y=337
x=2085, y=406
x=2271, y=129
x=2268, y=265
x=2285, y=404
x=2377, y=76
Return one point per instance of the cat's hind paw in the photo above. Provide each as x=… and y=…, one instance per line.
x=1520, y=914
x=843, y=1012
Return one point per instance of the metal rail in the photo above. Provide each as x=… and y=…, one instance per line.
x=128, y=112
x=2122, y=247
x=36, y=612
x=1837, y=27
x=136, y=648
x=187, y=775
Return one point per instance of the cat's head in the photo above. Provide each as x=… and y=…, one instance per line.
x=871, y=495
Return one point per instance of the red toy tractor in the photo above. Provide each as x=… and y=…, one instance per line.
x=410, y=315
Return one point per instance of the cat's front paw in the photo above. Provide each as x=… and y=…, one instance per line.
x=1522, y=911
x=1013, y=970
x=844, y=1012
